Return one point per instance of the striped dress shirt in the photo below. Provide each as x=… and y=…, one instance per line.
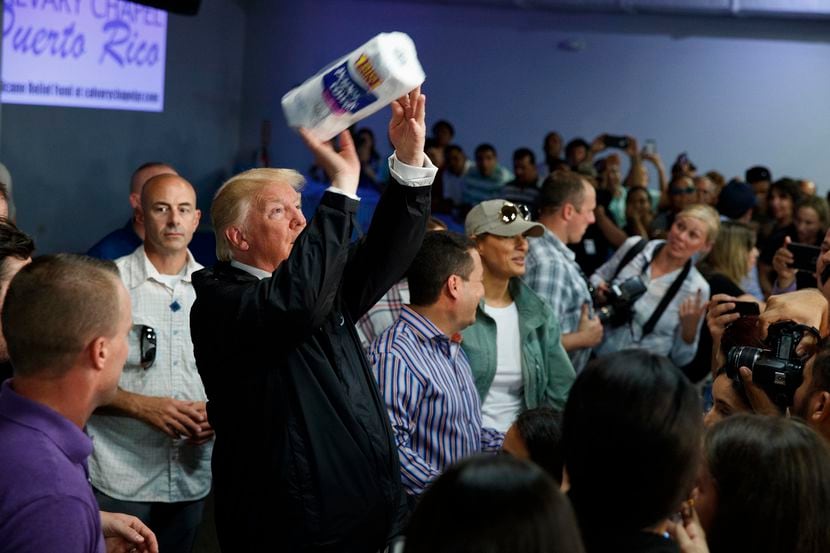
x=431, y=398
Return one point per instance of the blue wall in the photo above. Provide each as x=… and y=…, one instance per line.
x=731, y=92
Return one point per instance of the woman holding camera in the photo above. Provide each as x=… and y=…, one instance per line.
x=514, y=346
x=665, y=316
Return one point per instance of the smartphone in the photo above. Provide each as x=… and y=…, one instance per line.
x=613, y=141
x=744, y=308
x=804, y=256
x=650, y=147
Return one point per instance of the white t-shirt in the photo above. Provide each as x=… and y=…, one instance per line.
x=506, y=395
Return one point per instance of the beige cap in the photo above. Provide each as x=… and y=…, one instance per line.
x=501, y=218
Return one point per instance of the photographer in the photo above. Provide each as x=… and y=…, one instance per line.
x=665, y=314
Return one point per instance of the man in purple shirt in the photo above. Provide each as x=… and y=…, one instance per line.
x=66, y=320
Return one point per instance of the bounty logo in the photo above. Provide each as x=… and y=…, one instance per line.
x=342, y=93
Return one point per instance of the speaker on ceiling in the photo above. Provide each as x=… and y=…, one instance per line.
x=182, y=7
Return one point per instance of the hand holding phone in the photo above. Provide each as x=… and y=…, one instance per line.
x=805, y=256
x=744, y=308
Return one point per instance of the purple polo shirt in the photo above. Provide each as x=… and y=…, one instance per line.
x=46, y=502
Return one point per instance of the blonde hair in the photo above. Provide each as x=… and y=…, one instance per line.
x=730, y=255
x=705, y=214
x=233, y=200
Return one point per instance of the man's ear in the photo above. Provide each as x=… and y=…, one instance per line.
x=453, y=285
x=98, y=351
x=135, y=200
x=236, y=238
x=568, y=211
x=139, y=215
x=197, y=218
x=819, y=407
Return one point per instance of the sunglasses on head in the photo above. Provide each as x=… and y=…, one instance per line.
x=510, y=212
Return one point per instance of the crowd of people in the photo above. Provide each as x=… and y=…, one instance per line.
x=347, y=392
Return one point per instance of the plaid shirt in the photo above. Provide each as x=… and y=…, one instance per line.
x=132, y=460
x=382, y=315
x=554, y=275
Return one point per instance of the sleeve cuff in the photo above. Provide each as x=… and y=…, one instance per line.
x=409, y=175
x=776, y=290
x=338, y=191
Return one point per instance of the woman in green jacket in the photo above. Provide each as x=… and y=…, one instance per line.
x=514, y=346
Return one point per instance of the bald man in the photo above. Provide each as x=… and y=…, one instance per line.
x=153, y=441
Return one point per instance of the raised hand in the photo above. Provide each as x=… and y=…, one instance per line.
x=407, y=128
x=691, y=310
x=341, y=165
x=782, y=262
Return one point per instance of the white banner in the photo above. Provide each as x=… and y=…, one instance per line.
x=84, y=53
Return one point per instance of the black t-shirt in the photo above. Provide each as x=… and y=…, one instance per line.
x=701, y=365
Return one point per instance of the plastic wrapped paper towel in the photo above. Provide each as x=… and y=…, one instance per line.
x=355, y=86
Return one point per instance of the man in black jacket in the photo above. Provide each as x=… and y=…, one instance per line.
x=305, y=459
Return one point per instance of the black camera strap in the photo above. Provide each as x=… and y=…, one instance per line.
x=648, y=328
x=628, y=256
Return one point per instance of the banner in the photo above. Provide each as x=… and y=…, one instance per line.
x=83, y=53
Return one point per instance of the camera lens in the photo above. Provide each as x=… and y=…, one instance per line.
x=742, y=356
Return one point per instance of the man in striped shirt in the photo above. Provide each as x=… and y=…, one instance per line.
x=422, y=371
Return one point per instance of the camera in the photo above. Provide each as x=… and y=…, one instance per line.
x=617, y=310
x=777, y=368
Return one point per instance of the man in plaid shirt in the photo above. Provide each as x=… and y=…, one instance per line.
x=566, y=208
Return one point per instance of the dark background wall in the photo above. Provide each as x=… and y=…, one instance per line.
x=732, y=92
x=71, y=166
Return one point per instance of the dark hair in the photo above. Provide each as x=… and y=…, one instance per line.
x=817, y=204
x=54, y=306
x=493, y=504
x=574, y=144
x=452, y=148
x=14, y=243
x=772, y=476
x=637, y=188
x=632, y=429
x=541, y=432
x=442, y=123
x=559, y=188
x=521, y=153
x=787, y=187
x=442, y=254
x=481, y=148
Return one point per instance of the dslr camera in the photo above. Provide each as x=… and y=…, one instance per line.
x=777, y=368
x=621, y=297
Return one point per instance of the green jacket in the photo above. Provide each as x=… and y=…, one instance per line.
x=546, y=369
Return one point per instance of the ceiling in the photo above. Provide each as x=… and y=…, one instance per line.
x=776, y=9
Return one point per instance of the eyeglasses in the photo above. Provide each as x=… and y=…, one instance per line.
x=147, y=345
x=510, y=212
x=682, y=191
